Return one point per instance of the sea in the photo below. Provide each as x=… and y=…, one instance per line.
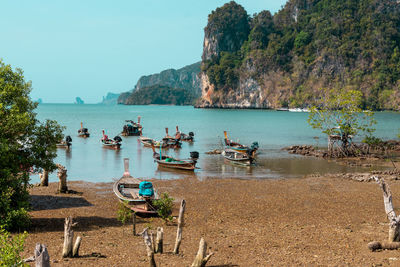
x=87, y=159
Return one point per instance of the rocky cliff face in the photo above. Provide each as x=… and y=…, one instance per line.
x=110, y=99
x=186, y=78
x=287, y=59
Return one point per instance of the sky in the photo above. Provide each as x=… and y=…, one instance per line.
x=92, y=47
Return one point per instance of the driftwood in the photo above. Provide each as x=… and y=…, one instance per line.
x=180, y=225
x=44, y=178
x=62, y=175
x=394, y=221
x=149, y=247
x=375, y=245
x=202, y=257
x=134, y=223
x=75, y=250
x=159, y=240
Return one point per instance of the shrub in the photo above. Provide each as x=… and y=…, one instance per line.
x=164, y=206
x=10, y=248
x=124, y=213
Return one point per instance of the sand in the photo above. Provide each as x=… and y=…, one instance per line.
x=303, y=221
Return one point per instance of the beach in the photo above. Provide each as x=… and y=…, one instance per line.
x=314, y=220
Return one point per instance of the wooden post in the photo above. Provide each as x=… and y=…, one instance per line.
x=134, y=223
x=394, y=221
x=201, y=257
x=68, y=238
x=75, y=250
x=44, y=178
x=153, y=241
x=149, y=248
x=62, y=175
x=180, y=225
x=42, y=258
x=159, y=240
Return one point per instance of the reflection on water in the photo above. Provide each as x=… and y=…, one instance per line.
x=88, y=160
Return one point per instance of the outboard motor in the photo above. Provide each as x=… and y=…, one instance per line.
x=194, y=155
x=191, y=134
x=68, y=139
x=254, y=145
x=118, y=139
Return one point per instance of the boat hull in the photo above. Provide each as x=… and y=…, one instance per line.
x=184, y=165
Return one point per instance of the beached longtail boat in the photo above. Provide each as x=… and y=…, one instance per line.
x=135, y=194
x=132, y=128
x=239, y=147
x=65, y=143
x=237, y=157
x=148, y=142
x=170, y=162
x=184, y=137
x=111, y=143
x=172, y=142
x=83, y=132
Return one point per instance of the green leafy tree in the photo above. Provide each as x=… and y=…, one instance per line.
x=25, y=145
x=10, y=248
x=338, y=114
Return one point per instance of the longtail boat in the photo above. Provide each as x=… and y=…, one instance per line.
x=239, y=147
x=148, y=142
x=83, y=132
x=111, y=143
x=184, y=137
x=132, y=128
x=170, y=162
x=65, y=143
x=137, y=195
x=238, y=157
x=172, y=142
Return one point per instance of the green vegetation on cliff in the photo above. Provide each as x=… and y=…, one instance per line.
x=158, y=95
x=308, y=45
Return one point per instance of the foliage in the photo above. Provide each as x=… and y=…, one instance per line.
x=329, y=43
x=10, y=248
x=339, y=113
x=124, y=214
x=25, y=144
x=372, y=141
x=160, y=95
x=164, y=206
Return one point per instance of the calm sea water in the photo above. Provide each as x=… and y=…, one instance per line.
x=88, y=160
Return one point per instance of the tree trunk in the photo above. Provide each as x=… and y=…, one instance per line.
x=180, y=225
x=44, y=178
x=42, y=258
x=159, y=240
x=68, y=238
x=149, y=248
x=62, y=175
x=394, y=222
x=201, y=257
x=75, y=250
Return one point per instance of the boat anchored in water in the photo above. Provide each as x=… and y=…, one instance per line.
x=239, y=147
x=184, y=137
x=111, y=143
x=136, y=194
x=149, y=142
x=132, y=128
x=172, y=142
x=238, y=157
x=83, y=132
x=65, y=143
x=170, y=162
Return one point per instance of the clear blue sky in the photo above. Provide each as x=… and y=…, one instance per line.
x=88, y=48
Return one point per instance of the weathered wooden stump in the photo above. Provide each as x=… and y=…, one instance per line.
x=149, y=248
x=62, y=175
x=42, y=258
x=201, y=257
x=75, y=250
x=44, y=178
x=68, y=238
x=180, y=225
x=134, y=223
x=159, y=240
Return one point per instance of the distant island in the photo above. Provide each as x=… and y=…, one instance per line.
x=110, y=99
x=169, y=87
